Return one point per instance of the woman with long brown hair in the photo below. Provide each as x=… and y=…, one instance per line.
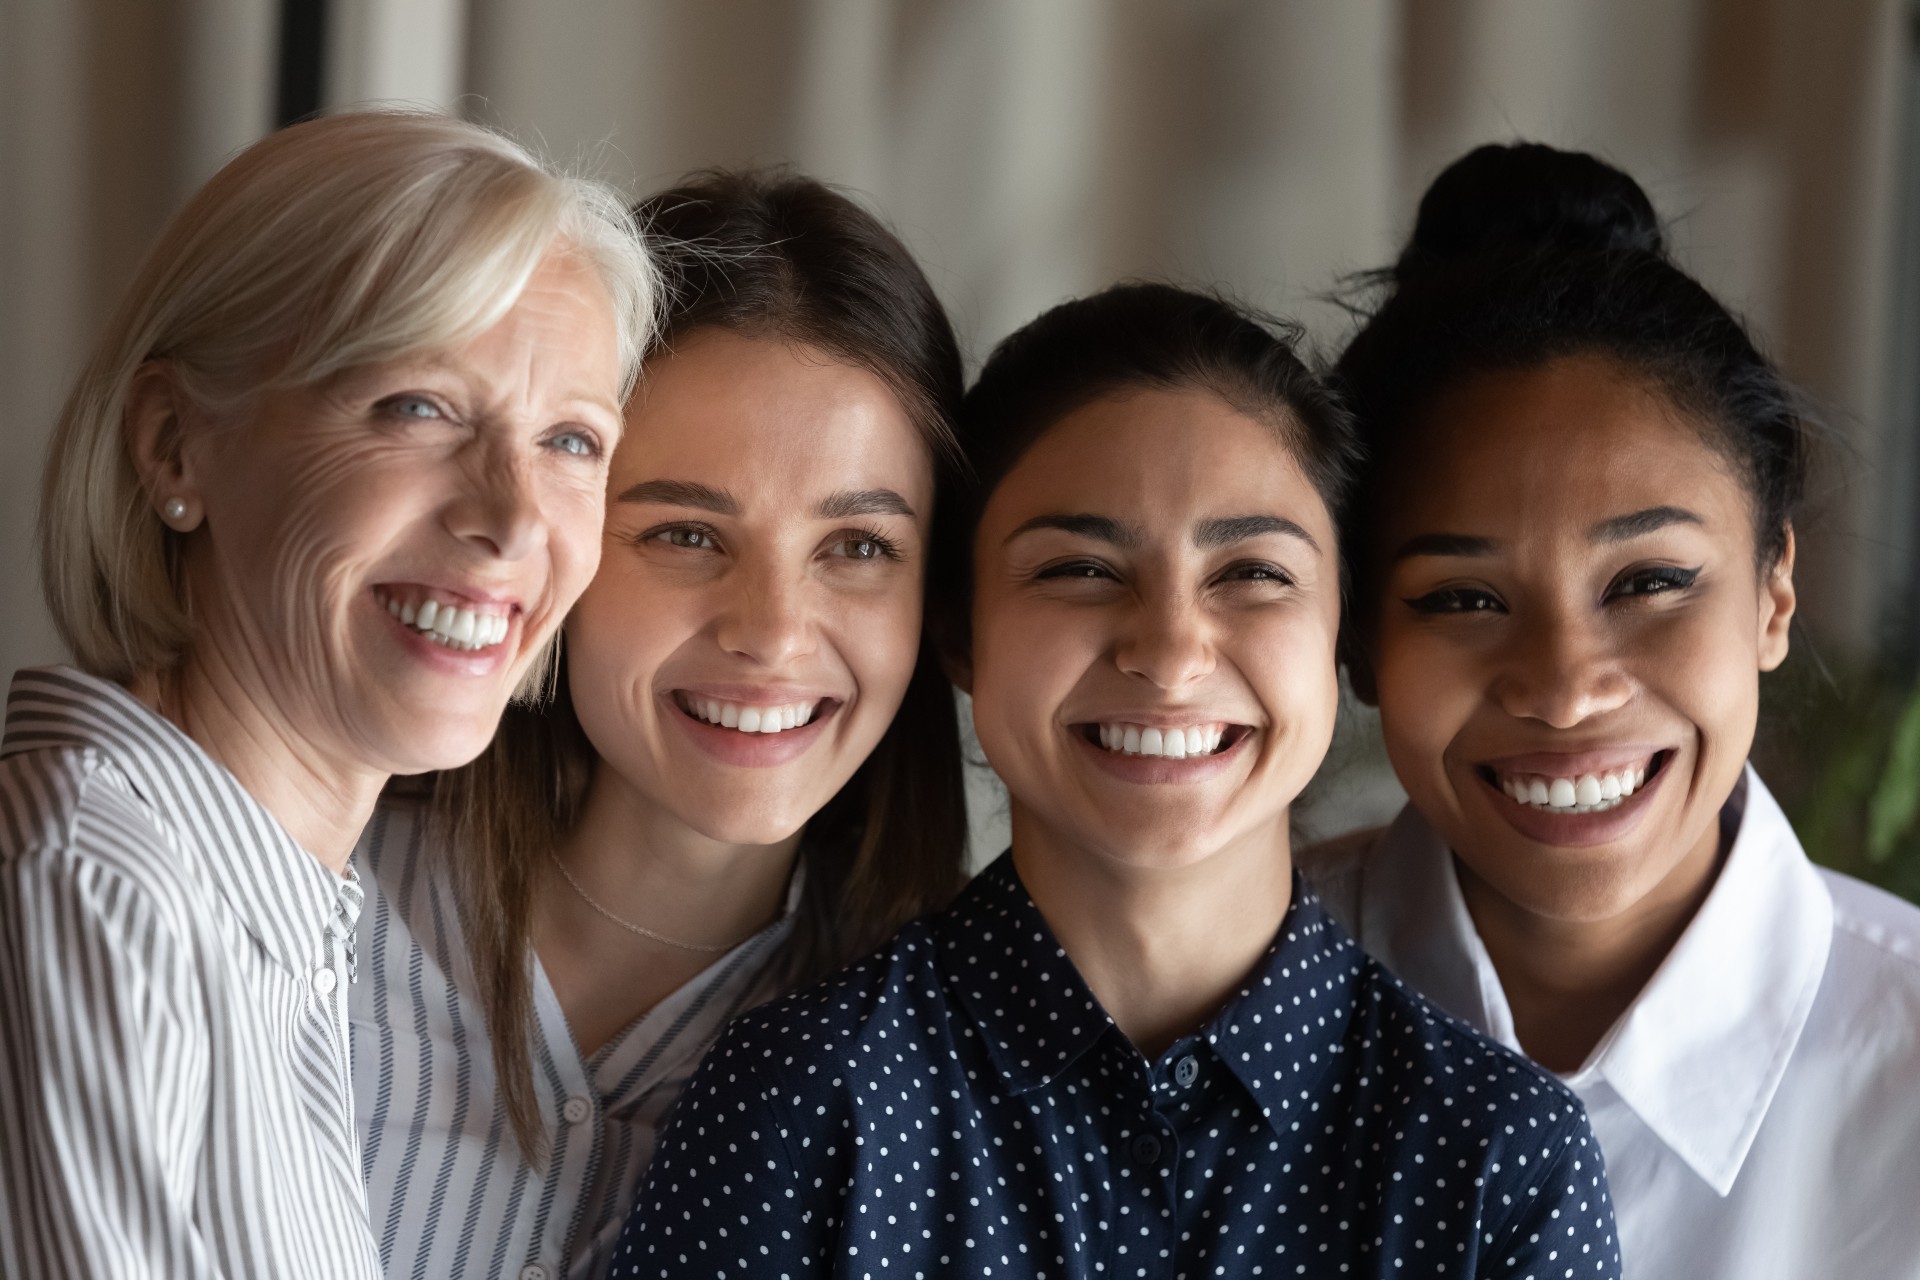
x=746, y=771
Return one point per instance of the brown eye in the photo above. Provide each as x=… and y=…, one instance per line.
x=686, y=537
x=1455, y=600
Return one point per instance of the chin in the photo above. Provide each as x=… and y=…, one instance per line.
x=1583, y=890
x=741, y=823
x=1145, y=849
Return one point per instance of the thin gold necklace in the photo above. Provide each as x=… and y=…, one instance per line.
x=629, y=925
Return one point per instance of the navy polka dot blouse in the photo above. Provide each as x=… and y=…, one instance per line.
x=960, y=1105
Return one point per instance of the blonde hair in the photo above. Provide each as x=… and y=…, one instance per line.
x=344, y=241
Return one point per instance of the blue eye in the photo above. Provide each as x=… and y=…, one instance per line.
x=577, y=443
x=413, y=408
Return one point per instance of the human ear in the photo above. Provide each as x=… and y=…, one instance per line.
x=1777, y=601
x=153, y=423
x=959, y=670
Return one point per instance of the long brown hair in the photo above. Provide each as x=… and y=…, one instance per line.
x=765, y=254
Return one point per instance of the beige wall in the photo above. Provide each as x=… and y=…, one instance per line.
x=1028, y=149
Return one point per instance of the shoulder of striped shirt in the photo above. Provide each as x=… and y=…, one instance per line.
x=81, y=819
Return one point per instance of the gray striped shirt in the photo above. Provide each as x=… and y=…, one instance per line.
x=451, y=1194
x=175, y=1088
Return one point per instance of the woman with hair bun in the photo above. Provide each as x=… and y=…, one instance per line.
x=747, y=770
x=314, y=510
x=1572, y=557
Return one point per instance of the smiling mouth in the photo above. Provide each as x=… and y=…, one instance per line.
x=1170, y=742
x=447, y=620
x=1584, y=793
x=751, y=717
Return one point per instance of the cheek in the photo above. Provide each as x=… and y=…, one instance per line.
x=1427, y=691
x=877, y=637
x=305, y=532
x=1291, y=662
x=622, y=630
x=576, y=518
x=1705, y=667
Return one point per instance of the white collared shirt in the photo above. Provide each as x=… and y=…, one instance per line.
x=451, y=1193
x=175, y=1088
x=1758, y=1104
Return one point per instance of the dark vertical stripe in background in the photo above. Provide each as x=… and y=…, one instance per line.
x=303, y=60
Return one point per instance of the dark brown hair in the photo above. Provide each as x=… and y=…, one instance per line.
x=1139, y=335
x=774, y=255
x=1523, y=254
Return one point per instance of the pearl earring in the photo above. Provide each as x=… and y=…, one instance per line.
x=175, y=509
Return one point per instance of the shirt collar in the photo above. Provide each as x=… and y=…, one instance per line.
x=286, y=899
x=1700, y=1053
x=1038, y=1016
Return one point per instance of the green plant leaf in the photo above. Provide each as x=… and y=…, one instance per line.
x=1895, y=803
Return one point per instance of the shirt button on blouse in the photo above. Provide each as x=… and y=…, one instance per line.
x=1187, y=1071
x=534, y=1271
x=1146, y=1149
x=575, y=1110
x=323, y=981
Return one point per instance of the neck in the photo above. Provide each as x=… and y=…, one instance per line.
x=643, y=865
x=1162, y=948
x=1568, y=981
x=322, y=802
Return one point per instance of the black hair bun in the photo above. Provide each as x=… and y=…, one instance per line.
x=1529, y=196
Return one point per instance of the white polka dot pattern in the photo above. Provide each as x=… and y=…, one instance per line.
x=960, y=1105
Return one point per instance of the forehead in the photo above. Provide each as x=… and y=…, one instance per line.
x=1148, y=453
x=1532, y=452
x=766, y=408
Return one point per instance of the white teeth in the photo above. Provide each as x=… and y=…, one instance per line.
x=449, y=624
x=1588, y=793
x=731, y=715
x=1170, y=743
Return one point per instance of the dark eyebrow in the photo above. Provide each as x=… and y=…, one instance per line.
x=1231, y=529
x=1443, y=544
x=1640, y=523
x=1104, y=528
x=848, y=503
x=682, y=493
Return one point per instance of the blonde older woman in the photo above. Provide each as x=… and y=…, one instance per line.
x=314, y=509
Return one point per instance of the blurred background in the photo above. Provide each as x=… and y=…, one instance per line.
x=1030, y=150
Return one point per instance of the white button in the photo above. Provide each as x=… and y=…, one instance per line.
x=533, y=1271
x=575, y=1110
x=323, y=981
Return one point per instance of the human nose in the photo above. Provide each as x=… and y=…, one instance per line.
x=1560, y=673
x=499, y=507
x=1169, y=644
x=768, y=617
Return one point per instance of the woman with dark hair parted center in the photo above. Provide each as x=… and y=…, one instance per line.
x=746, y=772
